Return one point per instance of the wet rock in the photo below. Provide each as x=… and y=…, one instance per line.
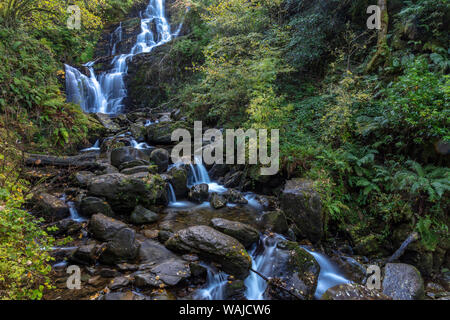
x=122, y=247
x=142, y=215
x=154, y=252
x=402, y=282
x=213, y=245
x=244, y=233
x=197, y=270
x=164, y=235
x=235, y=196
x=217, y=201
x=125, y=192
x=92, y=205
x=119, y=282
x=107, y=122
x=116, y=296
x=109, y=273
x=353, y=270
x=352, y=291
x=199, y=193
x=218, y=170
x=161, y=133
x=297, y=269
x=50, y=207
x=235, y=290
x=274, y=221
x=179, y=181
x=233, y=180
x=122, y=155
x=172, y=271
x=160, y=157
x=85, y=254
x=143, y=279
x=66, y=227
x=104, y=228
x=137, y=169
x=301, y=203
x=82, y=178
x=134, y=163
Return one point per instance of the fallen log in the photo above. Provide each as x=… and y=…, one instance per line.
x=87, y=160
x=414, y=236
x=272, y=282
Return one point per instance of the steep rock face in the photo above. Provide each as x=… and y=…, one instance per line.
x=151, y=74
x=215, y=246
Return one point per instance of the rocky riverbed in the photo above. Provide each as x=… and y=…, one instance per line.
x=145, y=228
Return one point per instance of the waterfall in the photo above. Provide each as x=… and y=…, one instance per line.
x=172, y=196
x=95, y=147
x=263, y=263
x=106, y=92
x=215, y=285
x=329, y=275
x=140, y=146
x=74, y=215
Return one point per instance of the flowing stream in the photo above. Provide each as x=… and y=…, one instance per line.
x=105, y=93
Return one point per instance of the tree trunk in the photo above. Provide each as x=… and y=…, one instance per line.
x=382, y=46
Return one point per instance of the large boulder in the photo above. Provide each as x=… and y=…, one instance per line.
x=302, y=204
x=92, y=205
x=179, y=179
x=50, y=207
x=122, y=155
x=154, y=252
x=246, y=234
x=402, y=282
x=160, y=157
x=142, y=215
x=122, y=247
x=274, y=221
x=199, y=193
x=353, y=291
x=125, y=192
x=82, y=178
x=104, y=228
x=215, y=246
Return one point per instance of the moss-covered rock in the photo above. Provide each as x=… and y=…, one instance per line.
x=125, y=192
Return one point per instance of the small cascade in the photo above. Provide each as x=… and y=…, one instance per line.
x=140, y=146
x=95, y=147
x=116, y=37
x=74, y=215
x=329, y=275
x=199, y=175
x=263, y=263
x=106, y=92
x=215, y=285
x=172, y=196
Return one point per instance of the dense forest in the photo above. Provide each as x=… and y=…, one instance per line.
x=363, y=116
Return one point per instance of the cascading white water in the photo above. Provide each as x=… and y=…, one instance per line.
x=215, y=288
x=95, y=147
x=172, y=196
x=140, y=146
x=74, y=215
x=263, y=263
x=329, y=275
x=106, y=93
